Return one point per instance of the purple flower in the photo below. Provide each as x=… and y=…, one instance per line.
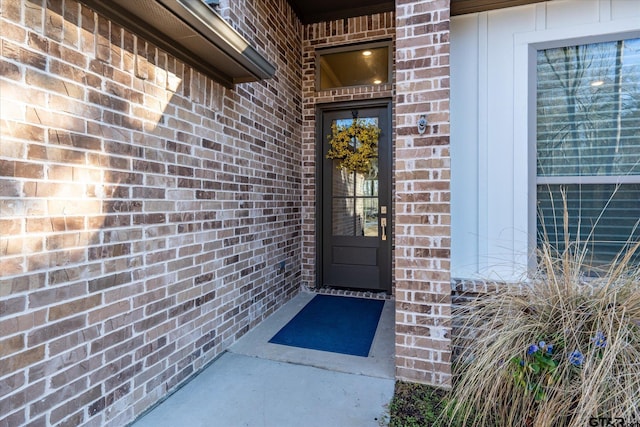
x=522, y=362
x=599, y=340
x=532, y=349
x=549, y=348
x=542, y=344
x=576, y=358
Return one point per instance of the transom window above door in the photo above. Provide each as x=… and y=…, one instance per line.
x=355, y=65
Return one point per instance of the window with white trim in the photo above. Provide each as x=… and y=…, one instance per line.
x=588, y=146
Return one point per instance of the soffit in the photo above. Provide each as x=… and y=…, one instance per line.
x=326, y=10
x=310, y=11
x=461, y=7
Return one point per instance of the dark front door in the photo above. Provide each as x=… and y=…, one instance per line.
x=356, y=208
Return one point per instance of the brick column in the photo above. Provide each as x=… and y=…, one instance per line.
x=422, y=204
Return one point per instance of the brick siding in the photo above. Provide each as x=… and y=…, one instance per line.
x=145, y=210
x=464, y=291
x=316, y=36
x=422, y=198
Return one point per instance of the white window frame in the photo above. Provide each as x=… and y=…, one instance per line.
x=526, y=46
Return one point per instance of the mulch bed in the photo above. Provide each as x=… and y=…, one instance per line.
x=417, y=405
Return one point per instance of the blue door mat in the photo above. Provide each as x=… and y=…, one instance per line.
x=333, y=323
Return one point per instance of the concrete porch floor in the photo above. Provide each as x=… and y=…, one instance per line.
x=257, y=383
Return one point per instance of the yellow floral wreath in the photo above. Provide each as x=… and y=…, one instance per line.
x=354, y=145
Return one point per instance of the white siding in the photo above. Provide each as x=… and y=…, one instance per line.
x=470, y=140
x=492, y=148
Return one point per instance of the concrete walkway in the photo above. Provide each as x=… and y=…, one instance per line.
x=259, y=384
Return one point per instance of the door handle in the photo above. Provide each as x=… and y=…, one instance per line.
x=383, y=226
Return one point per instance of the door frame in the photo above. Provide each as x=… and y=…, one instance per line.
x=319, y=177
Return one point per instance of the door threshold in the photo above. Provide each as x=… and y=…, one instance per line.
x=358, y=293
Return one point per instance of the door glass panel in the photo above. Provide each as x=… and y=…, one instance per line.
x=343, y=184
x=367, y=185
x=355, y=196
x=367, y=216
x=343, y=217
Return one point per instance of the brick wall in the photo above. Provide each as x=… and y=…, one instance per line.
x=144, y=209
x=422, y=199
x=321, y=35
x=465, y=291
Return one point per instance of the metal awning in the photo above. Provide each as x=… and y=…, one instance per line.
x=192, y=32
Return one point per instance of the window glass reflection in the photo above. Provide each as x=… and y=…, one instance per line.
x=362, y=66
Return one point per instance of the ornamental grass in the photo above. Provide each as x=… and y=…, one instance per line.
x=559, y=349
